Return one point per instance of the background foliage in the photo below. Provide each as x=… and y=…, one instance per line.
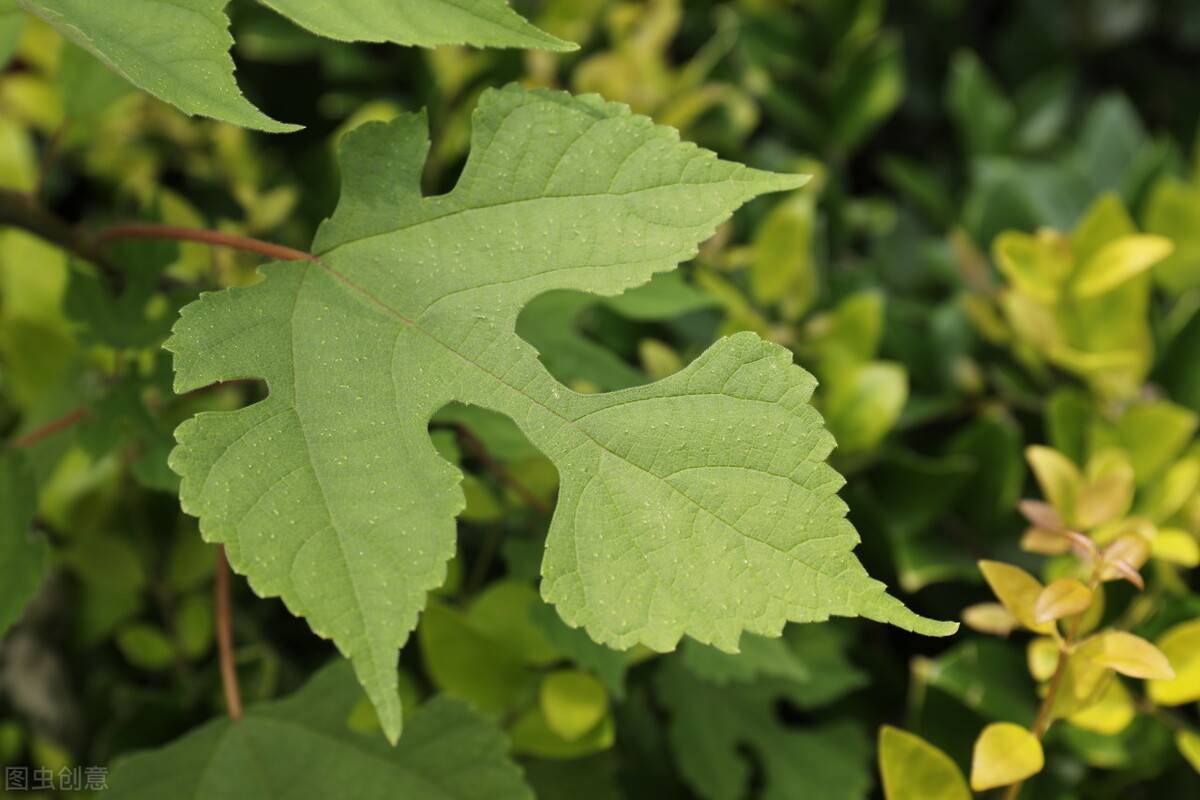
x=995, y=275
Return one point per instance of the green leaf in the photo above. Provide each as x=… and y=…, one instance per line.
x=1119, y=261
x=1173, y=210
x=1181, y=645
x=913, y=769
x=605, y=663
x=811, y=658
x=130, y=320
x=572, y=702
x=428, y=23
x=700, y=504
x=12, y=22
x=984, y=116
x=146, y=647
x=177, y=50
x=711, y=727
x=1004, y=753
x=24, y=557
x=468, y=663
x=302, y=747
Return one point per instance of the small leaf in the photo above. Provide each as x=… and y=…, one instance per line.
x=1035, y=265
x=1109, y=490
x=1177, y=546
x=1042, y=657
x=1062, y=598
x=913, y=769
x=1017, y=590
x=1133, y=656
x=863, y=402
x=1181, y=646
x=1060, y=480
x=572, y=702
x=1189, y=747
x=1123, y=557
x=1110, y=714
x=532, y=735
x=1004, y=753
x=1119, y=261
x=991, y=618
x=146, y=647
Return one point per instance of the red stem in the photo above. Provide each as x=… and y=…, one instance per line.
x=139, y=230
x=229, y=679
x=49, y=429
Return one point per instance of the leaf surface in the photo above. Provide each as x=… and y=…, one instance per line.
x=713, y=727
x=699, y=505
x=428, y=23
x=302, y=747
x=24, y=559
x=177, y=50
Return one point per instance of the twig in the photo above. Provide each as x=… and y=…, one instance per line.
x=1045, y=717
x=49, y=154
x=214, y=238
x=20, y=211
x=49, y=429
x=229, y=679
x=481, y=454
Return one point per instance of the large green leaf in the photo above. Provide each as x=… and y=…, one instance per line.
x=713, y=728
x=24, y=558
x=302, y=747
x=178, y=50
x=701, y=504
x=482, y=23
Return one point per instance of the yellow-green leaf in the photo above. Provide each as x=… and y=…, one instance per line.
x=913, y=769
x=1017, y=590
x=1109, y=490
x=1110, y=714
x=1189, y=747
x=1181, y=646
x=1062, y=598
x=1035, y=265
x=1060, y=479
x=1133, y=656
x=1177, y=546
x=1041, y=656
x=1119, y=261
x=991, y=618
x=1004, y=753
x=572, y=702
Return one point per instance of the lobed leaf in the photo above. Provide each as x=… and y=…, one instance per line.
x=698, y=505
x=178, y=50
x=303, y=747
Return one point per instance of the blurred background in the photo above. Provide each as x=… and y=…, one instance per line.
x=966, y=156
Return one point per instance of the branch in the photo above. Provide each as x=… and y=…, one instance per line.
x=19, y=211
x=1045, y=714
x=214, y=238
x=49, y=429
x=476, y=448
x=224, y=608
